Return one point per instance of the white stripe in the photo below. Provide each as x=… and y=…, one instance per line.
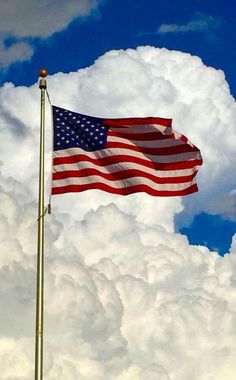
x=119, y=184
x=178, y=136
x=102, y=153
x=124, y=166
x=144, y=128
x=167, y=143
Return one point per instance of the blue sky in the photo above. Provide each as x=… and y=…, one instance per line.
x=121, y=24
x=205, y=29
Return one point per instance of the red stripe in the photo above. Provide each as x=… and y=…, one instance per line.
x=109, y=160
x=123, y=191
x=137, y=121
x=124, y=174
x=163, y=151
x=184, y=138
x=152, y=136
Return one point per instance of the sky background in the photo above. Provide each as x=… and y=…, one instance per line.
x=205, y=29
x=139, y=287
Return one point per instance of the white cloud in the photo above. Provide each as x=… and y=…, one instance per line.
x=225, y=206
x=123, y=292
x=31, y=18
x=17, y=52
x=117, y=308
x=144, y=82
x=200, y=24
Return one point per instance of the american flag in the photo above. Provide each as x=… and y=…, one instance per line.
x=121, y=156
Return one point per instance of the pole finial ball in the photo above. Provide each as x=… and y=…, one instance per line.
x=43, y=73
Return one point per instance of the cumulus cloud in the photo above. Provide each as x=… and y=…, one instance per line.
x=200, y=24
x=141, y=82
x=121, y=300
x=36, y=19
x=126, y=297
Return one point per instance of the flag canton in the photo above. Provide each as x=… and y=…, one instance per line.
x=73, y=130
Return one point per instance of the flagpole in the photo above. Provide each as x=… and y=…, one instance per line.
x=40, y=244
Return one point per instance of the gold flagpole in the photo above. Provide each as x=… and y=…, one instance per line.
x=40, y=245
